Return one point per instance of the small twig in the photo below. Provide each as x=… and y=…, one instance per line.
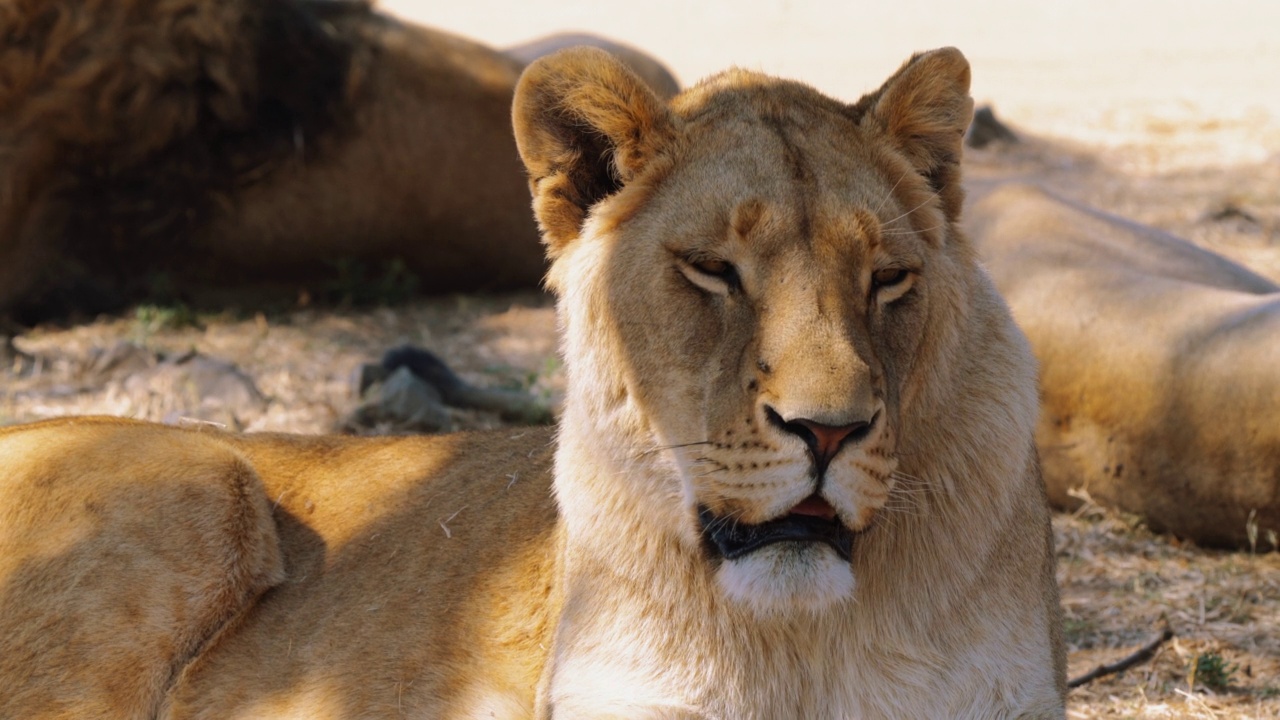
x=184, y=420
x=1142, y=655
x=443, y=526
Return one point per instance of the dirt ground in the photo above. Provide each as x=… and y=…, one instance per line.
x=1203, y=169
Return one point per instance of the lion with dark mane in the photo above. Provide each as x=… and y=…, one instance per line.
x=191, y=150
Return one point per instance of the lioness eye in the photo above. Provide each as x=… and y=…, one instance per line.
x=712, y=274
x=715, y=268
x=888, y=277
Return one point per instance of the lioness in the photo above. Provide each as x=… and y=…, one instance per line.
x=795, y=476
x=1160, y=365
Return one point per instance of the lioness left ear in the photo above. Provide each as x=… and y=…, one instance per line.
x=585, y=125
x=924, y=110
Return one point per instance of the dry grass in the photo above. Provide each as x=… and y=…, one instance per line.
x=1120, y=584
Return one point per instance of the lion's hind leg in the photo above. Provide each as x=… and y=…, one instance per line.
x=124, y=548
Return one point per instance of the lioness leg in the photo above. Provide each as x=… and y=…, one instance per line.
x=123, y=549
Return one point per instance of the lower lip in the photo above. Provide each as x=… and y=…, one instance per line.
x=731, y=541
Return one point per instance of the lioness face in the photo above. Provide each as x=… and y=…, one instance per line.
x=774, y=299
x=754, y=301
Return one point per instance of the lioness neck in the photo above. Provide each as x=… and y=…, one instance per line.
x=646, y=632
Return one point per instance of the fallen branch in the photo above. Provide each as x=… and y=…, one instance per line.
x=1142, y=655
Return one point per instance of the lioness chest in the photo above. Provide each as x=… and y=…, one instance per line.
x=629, y=657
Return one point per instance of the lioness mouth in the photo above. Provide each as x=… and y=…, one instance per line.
x=813, y=520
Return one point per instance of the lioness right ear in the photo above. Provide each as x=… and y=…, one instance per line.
x=585, y=125
x=924, y=109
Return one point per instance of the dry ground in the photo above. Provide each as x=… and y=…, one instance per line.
x=1119, y=582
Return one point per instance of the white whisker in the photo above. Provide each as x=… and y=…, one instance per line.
x=927, y=200
x=912, y=232
x=889, y=194
x=660, y=448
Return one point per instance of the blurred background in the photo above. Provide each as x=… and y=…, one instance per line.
x=1106, y=72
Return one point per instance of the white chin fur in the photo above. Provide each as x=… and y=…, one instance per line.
x=786, y=577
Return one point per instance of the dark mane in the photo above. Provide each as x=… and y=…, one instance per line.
x=124, y=124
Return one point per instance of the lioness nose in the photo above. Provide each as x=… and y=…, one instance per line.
x=823, y=441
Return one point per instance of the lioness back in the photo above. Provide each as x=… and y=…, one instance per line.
x=1159, y=365
x=447, y=537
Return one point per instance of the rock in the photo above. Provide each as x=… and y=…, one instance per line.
x=986, y=129
x=13, y=360
x=196, y=387
x=123, y=358
x=408, y=391
x=400, y=403
x=511, y=405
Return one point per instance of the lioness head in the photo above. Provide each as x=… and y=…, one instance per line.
x=764, y=299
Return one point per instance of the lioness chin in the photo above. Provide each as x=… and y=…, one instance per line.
x=794, y=478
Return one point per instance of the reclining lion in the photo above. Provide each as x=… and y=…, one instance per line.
x=1159, y=362
x=795, y=477
x=192, y=149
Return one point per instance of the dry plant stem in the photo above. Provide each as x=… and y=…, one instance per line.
x=1143, y=654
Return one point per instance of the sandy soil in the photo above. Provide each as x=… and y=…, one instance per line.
x=1169, y=115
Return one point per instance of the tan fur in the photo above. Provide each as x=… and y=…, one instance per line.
x=461, y=577
x=654, y=74
x=195, y=149
x=123, y=550
x=1159, y=365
